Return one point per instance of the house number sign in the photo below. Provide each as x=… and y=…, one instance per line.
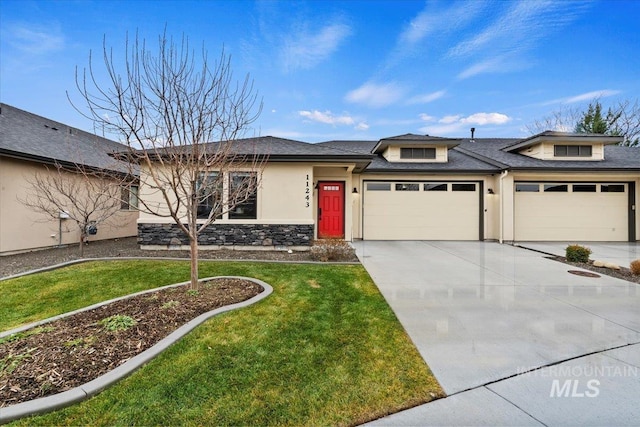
x=307, y=194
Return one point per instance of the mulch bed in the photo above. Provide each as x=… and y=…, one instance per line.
x=624, y=273
x=72, y=351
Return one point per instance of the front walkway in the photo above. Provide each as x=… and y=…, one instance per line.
x=481, y=313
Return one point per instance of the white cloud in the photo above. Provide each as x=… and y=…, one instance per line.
x=362, y=126
x=449, y=119
x=504, y=42
x=302, y=50
x=587, y=96
x=376, y=95
x=34, y=39
x=430, y=21
x=456, y=124
x=486, y=119
x=327, y=117
x=426, y=97
x=426, y=117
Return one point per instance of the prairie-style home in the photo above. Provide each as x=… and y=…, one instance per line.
x=548, y=187
x=30, y=145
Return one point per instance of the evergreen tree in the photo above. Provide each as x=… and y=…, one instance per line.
x=592, y=121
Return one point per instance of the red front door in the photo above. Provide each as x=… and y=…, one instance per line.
x=330, y=210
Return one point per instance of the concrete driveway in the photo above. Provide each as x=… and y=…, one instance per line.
x=512, y=337
x=621, y=253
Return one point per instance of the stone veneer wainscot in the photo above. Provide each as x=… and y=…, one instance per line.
x=228, y=235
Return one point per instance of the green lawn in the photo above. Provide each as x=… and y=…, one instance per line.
x=323, y=349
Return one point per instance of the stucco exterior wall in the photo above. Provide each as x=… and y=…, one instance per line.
x=392, y=154
x=281, y=197
x=22, y=229
x=545, y=151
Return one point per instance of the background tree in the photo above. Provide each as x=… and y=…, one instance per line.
x=178, y=115
x=621, y=119
x=88, y=196
x=592, y=121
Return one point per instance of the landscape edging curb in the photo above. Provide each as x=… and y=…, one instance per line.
x=77, y=394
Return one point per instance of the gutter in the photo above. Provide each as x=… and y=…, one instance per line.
x=503, y=175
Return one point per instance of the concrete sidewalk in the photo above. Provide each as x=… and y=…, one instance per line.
x=511, y=336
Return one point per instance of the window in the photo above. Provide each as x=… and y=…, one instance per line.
x=418, y=153
x=435, y=187
x=572, y=150
x=243, y=188
x=379, y=186
x=407, y=187
x=209, y=194
x=463, y=187
x=129, y=198
x=612, y=188
x=556, y=188
x=527, y=188
x=584, y=188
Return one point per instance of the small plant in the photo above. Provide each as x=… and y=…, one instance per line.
x=192, y=292
x=27, y=333
x=170, y=304
x=117, y=322
x=331, y=250
x=84, y=342
x=577, y=253
x=635, y=267
x=9, y=363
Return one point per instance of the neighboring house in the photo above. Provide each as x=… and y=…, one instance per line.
x=28, y=145
x=552, y=186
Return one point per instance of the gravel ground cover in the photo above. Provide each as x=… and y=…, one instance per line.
x=128, y=247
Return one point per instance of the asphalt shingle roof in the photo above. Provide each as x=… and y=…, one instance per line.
x=615, y=157
x=26, y=135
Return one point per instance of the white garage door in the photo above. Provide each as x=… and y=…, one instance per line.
x=571, y=211
x=421, y=210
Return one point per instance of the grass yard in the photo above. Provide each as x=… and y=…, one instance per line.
x=323, y=349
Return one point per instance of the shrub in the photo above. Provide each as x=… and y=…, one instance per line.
x=635, y=267
x=332, y=250
x=577, y=253
x=117, y=322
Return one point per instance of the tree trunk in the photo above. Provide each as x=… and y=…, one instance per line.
x=194, y=261
x=81, y=247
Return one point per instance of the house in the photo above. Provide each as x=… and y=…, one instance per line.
x=549, y=187
x=30, y=145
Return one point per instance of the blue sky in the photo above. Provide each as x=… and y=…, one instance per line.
x=350, y=69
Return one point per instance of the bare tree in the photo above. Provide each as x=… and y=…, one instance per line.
x=622, y=119
x=180, y=117
x=87, y=197
x=561, y=120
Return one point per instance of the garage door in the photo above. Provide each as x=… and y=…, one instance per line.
x=421, y=210
x=571, y=211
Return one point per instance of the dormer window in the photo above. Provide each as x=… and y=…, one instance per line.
x=572, y=150
x=418, y=153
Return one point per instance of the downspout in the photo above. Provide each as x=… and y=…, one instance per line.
x=503, y=175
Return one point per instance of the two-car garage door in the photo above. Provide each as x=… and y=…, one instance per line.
x=399, y=210
x=578, y=211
